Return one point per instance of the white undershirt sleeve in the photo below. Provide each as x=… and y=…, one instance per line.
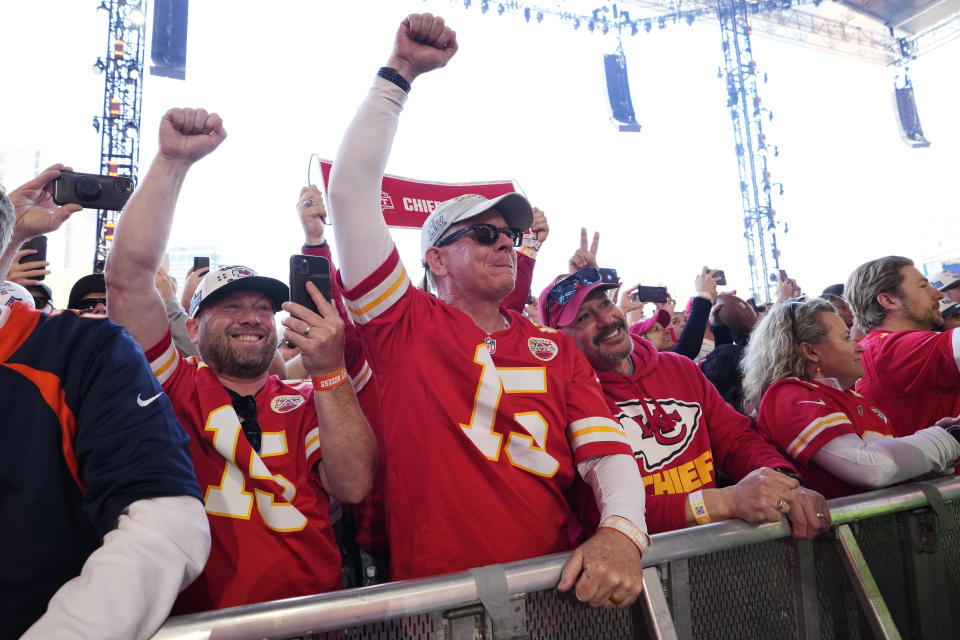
x=886, y=461
x=362, y=238
x=617, y=487
x=127, y=587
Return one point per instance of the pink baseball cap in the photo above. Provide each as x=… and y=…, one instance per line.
x=662, y=316
x=556, y=315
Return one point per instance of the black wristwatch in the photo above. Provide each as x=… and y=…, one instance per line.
x=953, y=430
x=793, y=474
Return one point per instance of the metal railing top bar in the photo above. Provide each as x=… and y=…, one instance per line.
x=340, y=609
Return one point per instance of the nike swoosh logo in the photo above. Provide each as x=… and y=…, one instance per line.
x=811, y=402
x=142, y=403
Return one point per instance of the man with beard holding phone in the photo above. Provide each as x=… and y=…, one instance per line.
x=266, y=494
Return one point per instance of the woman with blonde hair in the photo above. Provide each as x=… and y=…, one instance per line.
x=799, y=370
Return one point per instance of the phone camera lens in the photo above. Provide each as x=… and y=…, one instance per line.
x=124, y=185
x=88, y=188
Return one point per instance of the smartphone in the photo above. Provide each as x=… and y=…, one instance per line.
x=201, y=262
x=92, y=191
x=304, y=269
x=39, y=244
x=650, y=294
x=720, y=277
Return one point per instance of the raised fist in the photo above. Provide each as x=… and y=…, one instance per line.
x=189, y=134
x=423, y=43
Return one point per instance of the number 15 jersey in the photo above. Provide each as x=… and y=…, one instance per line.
x=483, y=431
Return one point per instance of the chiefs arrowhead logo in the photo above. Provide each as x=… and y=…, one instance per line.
x=286, y=404
x=543, y=348
x=662, y=431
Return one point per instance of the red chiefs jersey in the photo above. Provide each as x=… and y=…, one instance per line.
x=913, y=375
x=680, y=429
x=483, y=432
x=269, y=515
x=800, y=416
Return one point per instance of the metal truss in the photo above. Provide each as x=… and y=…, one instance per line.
x=119, y=124
x=759, y=227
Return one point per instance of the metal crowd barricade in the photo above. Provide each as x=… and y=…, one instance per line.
x=889, y=568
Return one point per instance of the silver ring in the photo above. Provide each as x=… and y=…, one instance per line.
x=308, y=203
x=306, y=332
x=820, y=515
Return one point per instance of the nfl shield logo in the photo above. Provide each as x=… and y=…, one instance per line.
x=491, y=344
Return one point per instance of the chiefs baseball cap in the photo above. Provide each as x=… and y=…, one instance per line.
x=945, y=280
x=556, y=315
x=224, y=280
x=512, y=206
x=662, y=316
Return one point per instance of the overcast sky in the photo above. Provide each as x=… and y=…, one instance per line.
x=520, y=101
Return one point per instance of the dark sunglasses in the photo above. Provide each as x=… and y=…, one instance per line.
x=563, y=289
x=485, y=234
x=792, y=305
x=39, y=302
x=89, y=304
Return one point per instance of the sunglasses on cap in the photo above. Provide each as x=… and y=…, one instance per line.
x=89, y=304
x=564, y=288
x=485, y=234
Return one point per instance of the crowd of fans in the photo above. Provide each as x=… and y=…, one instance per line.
x=191, y=456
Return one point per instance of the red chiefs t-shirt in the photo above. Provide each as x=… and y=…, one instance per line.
x=914, y=376
x=483, y=432
x=269, y=515
x=800, y=416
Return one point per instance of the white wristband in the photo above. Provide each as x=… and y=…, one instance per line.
x=627, y=528
x=699, y=507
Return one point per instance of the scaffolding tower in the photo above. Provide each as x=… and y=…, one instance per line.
x=759, y=226
x=119, y=124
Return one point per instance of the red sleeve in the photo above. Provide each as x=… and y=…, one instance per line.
x=800, y=420
x=737, y=448
x=517, y=299
x=666, y=512
x=591, y=429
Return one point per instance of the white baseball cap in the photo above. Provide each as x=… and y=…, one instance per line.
x=221, y=281
x=512, y=206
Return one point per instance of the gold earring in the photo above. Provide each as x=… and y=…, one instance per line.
x=819, y=368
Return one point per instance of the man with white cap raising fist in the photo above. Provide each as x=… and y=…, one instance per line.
x=488, y=418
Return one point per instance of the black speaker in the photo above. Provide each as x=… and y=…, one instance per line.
x=168, y=49
x=907, y=118
x=618, y=90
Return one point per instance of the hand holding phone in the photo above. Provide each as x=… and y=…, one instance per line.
x=201, y=262
x=92, y=191
x=39, y=245
x=650, y=294
x=303, y=269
